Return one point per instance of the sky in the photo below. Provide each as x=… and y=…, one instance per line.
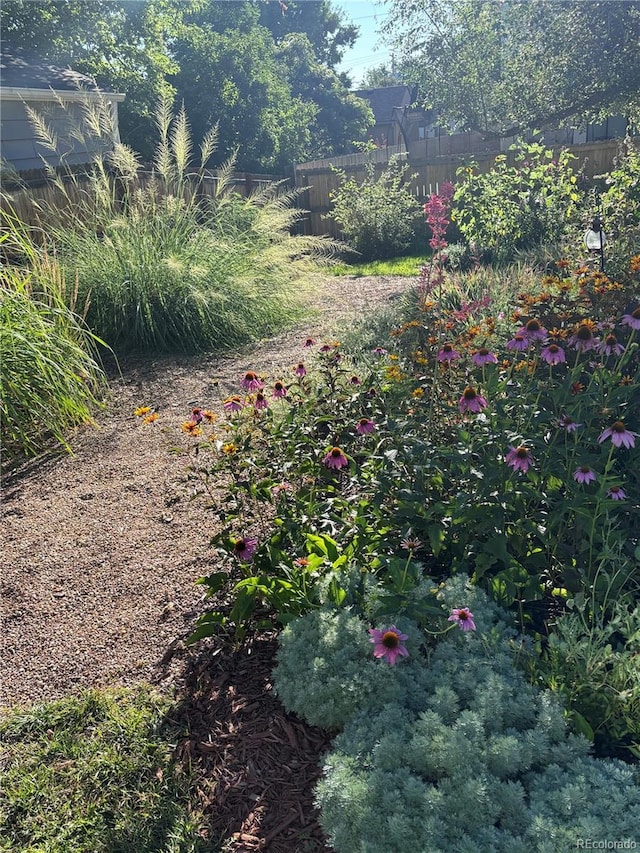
x=367, y=52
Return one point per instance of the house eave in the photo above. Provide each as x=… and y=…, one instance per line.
x=13, y=93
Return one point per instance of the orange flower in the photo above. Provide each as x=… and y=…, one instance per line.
x=635, y=263
x=151, y=418
x=142, y=410
x=191, y=427
x=209, y=416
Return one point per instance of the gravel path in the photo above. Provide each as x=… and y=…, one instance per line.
x=99, y=558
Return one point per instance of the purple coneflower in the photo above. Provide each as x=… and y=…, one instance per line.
x=553, y=354
x=533, y=331
x=326, y=348
x=355, y=380
x=484, y=356
x=448, y=353
x=365, y=426
x=463, y=617
x=197, y=415
x=335, y=458
x=616, y=493
x=300, y=370
x=309, y=342
x=619, y=435
x=281, y=487
x=233, y=404
x=519, y=458
x=584, y=474
x=632, y=319
x=260, y=401
x=411, y=543
x=471, y=401
x=583, y=339
x=244, y=549
x=611, y=346
x=568, y=423
x=279, y=389
x=251, y=381
x=379, y=351
x=519, y=343
x=388, y=643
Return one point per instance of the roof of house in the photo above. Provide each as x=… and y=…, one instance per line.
x=20, y=70
x=384, y=100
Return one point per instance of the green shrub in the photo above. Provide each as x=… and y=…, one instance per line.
x=51, y=377
x=473, y=758
x=379, y=217
x=520, y=206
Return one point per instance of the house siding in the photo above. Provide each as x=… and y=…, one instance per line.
x=19, y=147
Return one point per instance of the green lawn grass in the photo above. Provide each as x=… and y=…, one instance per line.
x=407, y=266
x=95, y=774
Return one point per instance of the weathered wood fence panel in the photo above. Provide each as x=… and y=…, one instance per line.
x=32, y=201
x=319, y=180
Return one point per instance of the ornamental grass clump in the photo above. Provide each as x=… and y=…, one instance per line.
x=176, y=259
x=52, y=378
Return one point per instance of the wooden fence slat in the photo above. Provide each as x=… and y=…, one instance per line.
x=434, y=161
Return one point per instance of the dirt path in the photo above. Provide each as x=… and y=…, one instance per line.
x=98, y=563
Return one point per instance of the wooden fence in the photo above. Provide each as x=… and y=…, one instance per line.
x=33, y=200
x=318, y=180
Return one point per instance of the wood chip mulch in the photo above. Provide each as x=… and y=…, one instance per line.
x=256, y=765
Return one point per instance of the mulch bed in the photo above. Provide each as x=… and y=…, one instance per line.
x=256, y=766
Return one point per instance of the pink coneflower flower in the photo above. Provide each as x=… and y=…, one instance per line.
x=448, y=353
x=355, y=380
x=309, y=342
x=244, y=549
x=611, y=346
x=326, y=348
x=568, y=423
x=583, y=339
x=300, y=370
x=471, y=401
x=533, y=331
x=411, y=543
x=379, y=351
x=233, y=404
x=519, y=343
x=632, y=319
x=281, y=487
x=616, y=493
x=519, y=458
x=619, y=435
x=483, y=356
x=365, y=426
x=335, y=458
x=388, y=644
x=197, y=415
x=553, y=354
x=584, y=474
x=251, y=381
x=260, y=401
x=463, y=617
x=279, y=389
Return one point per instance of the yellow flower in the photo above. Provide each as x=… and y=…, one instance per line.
x=419, y=392
x=142, y=410
x=151, y=418
x=229, y=447
x=191, y=427
x=209, y=416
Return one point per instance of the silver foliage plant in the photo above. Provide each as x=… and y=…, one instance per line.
x=448, y=751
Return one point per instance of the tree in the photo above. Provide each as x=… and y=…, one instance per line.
x=500, y=66
x=380, y=77
x=121, y=44
x=324, y=26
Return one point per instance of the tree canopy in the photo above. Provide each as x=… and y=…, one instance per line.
x=263, y=71
x=500, y=66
